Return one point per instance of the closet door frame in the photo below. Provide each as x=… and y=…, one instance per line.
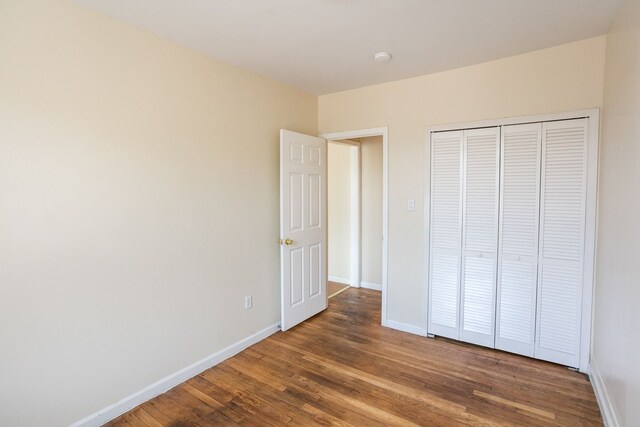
x=593, y=115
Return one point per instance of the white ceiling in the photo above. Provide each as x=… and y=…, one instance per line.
x=325, y=46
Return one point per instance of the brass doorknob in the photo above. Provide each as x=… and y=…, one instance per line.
x=287, y=242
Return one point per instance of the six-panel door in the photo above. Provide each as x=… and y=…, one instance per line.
x=303, y=215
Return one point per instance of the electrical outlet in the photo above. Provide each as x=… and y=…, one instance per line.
x=248, y=302
x=411, y=205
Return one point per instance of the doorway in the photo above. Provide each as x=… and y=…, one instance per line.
x=357, y=211
x=304, y=249
x=343, y=215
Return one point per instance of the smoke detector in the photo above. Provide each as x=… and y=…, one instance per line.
x=382, y=57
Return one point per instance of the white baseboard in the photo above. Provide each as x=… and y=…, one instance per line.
x=340, y=280
x=405, y=327
x=608, y=414
x=368, y=285
x=115, y=410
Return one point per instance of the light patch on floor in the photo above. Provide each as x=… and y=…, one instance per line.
x=334, y=288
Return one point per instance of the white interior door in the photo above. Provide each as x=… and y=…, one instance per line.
x=481, y=150
x=303, y=227
x=518, y=245
x=562, y=234
x=445, y=234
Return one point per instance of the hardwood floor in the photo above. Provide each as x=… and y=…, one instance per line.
x=334, y=288
x=342, y=368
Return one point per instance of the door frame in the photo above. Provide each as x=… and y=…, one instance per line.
x=384, y=133
x=593, y=114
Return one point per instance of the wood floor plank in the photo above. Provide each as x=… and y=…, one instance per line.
x=334, y=288
x=145, y=417
x=526, y=408
x=321, y=378
x=341, y=368
x=313, y=393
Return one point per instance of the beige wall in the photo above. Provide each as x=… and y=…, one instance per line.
x=340, y=164
x=126, y=246
x=371, y=202
x=562, y=78
x=616, y=345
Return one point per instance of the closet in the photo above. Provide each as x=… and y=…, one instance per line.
x=506, y=246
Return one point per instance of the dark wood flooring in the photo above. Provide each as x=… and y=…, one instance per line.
x=342, y=368
x=334, y=288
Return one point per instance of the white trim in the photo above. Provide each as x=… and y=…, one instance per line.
x=405, y=327
x=369, y=285
x=355, y=224
x=565, y=115
x=426, y=217
x=344, y=142
x=591, y=204
x=122, y=406
x=593, y=114
x=341, y=280
x=606, y=408
x=363, y=133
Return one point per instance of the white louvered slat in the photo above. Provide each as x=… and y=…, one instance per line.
x=445, y=277
x=478, y=298
x=559, y=308
x=518, y=243
x=445, y=191
x=445, y=233
x=517, y=307
x=480, y=234
x=562, y=233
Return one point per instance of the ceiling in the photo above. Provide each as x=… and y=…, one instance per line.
x=325, y=46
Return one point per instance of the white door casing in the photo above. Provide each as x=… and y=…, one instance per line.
x=303, y=227
x=384, y=133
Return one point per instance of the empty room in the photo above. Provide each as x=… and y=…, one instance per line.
x=319, y=212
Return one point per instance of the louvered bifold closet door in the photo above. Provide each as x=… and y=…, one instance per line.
x=445, y=230
x=562, y=232
x=479, y=235
x=518, y=242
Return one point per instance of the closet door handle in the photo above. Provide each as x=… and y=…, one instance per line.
x=480, y=254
